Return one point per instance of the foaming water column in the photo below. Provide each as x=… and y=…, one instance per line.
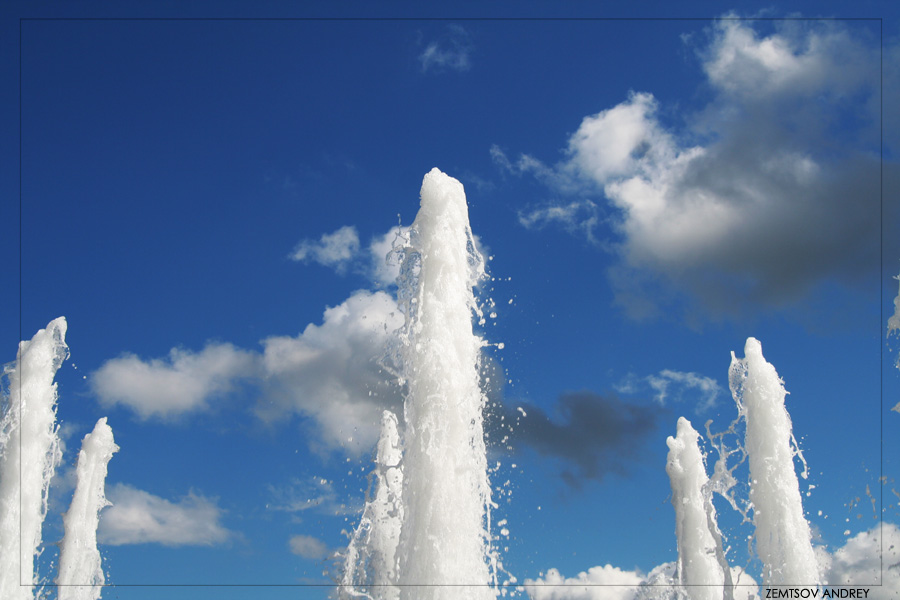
x=445, y=540
x=699, y=544
x=370, y=565
x=29, y=454
x=80, y=572
x=782, y=533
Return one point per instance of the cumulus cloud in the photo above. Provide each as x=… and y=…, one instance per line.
x=592, y=435
x=138, y=517
x=166, y=388
x=769, y=190
x=451, y=52
x=343, y=252
x=612, y=583
x=335, y=250
x=859, y=562
x=308, y=547
x=606, y=582
x=385, y=268
x=332, y=372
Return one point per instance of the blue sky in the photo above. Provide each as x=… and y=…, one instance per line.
x=207, y=202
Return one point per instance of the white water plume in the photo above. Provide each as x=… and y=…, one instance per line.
x=702, y=569
x=782, y=534
x=80, y=572
x=445, y=540
x=29, y=455
x=431, y=540
x=370, y=564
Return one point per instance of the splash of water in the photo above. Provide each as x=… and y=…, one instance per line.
x=445, y=539
x=702, y=569
x=370, y=564
x=894, y=319
x=782, y=533
x=29, y=455
x=80, y=574
x=443, y=543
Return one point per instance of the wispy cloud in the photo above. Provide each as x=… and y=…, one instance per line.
x=308, y=547
x=308, y=494
x=669, y=384
x=577, y=217
x=138, y=517
x=769, y=190
x=451, y=52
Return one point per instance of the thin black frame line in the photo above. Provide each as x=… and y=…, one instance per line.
x=20, y=304
x=880, y=21
x=881, y=481
x=435, y=585
x=470, y=19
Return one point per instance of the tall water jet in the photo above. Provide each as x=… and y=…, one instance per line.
x=80, y=574
x=29, y=455
x=370, y=564
x=782, y=533
x=445, y=539
x=702, y=568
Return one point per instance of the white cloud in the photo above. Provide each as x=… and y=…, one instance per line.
x=793, y=61
x=451, y=52
x=138, y=517
x=769, y=190
x=343, y=252
x=612, y=583
x=385, y=269
x=167, y=388
x=335, y=250
x=859, y=562
x=308, y=547
x=598, y=583
x=332, y=372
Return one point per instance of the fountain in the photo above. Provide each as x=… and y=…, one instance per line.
x=782, y=533
x=371, y=560
x=702, y=569
x=29, y=454
x=444, y=545
x=80, y=574
x=425, y=530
